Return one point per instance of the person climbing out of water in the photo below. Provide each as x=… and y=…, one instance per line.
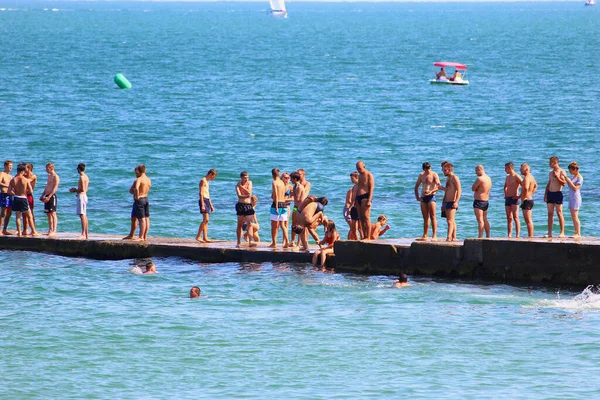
x=379, y=228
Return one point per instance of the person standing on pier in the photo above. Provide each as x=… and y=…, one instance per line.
x=206, y=206
x=278, y=209
x=528, y=187
x=553, y=196
x=430, y=181
x=350, y=211
x=305, y=184
x=288, y=199
x=364, y=198
x=18, y=187
x=575, y=196
x=244, y=209
x=82, y=199
x=299, y=196
x=5, y=198
x=33, y=181
x=452, y=195
x=141, y=205
x=481, y=196
x=49, y=199
x=512, y=183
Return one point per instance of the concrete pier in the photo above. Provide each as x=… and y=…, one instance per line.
x=554, y=261
x=107, y=247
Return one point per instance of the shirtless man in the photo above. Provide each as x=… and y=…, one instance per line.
x=33, y=181
x=512, y=183
x=452, y=194
x=133, y=218
x=205, y=204
x=553, y=196
x=364, y=198
x=481, y=196
x=49, y=199
x=5, y=198
x=141, y=205
x=244, y=209
x=304, y=182
x=299, y=196
x=430, y=181
x=18, y=187
x=310, y=218
x=278, y=209
x=350, y=211
x=82, y=199
x=529, y=187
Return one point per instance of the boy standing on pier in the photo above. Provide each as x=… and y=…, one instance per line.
x=553, y=196
x=278, y=209
x=430, y=181
x=452, y=194
x=82, y=200
x=5, y=198
x=49, y=199
x=482, y=187
x=33, y=181
x=206, y=206
x=141, y=205
x=512, y=183
x=529, y=187
x=244, y=209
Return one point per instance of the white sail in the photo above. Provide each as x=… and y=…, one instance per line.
x=277, y=5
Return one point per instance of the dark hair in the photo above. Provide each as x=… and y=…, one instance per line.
x=21, y=168
x=322, y=200
x=426, y=165
x=275, y=172
x=243, y=174
x=297, y=229
x=141, y=169
x=81, y=167
x=509, y=164
x=403, y=278
x=295, y=176
x=212, y=172
x=7, y=162
x=444, y=163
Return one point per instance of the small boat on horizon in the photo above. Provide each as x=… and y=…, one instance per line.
x=590, y=3
x=458, y=77
x=278, y=9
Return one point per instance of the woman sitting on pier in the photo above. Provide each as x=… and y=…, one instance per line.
x=331, y=236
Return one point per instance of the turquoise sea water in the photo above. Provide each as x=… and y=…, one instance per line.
x=223, y=86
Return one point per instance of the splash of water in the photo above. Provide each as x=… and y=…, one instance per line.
x=587, y=300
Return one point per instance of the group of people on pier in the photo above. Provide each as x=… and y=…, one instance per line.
x=290, y=196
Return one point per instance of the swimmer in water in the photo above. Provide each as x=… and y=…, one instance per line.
x=150, y=268
x=402, y=281
x=194, y=292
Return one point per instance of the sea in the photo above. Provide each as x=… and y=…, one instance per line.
x=224, y=86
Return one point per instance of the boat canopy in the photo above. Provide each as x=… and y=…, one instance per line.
x=277, y=5
x=444, y=64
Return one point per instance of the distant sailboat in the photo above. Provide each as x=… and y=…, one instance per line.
x=278, y=9
x=590, y=3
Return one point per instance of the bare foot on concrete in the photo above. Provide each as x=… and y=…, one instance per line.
x=253, y=245
x=272, y=245
x=128, y=238
x=81, y=237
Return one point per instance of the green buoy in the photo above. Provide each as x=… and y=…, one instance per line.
x=122, y=82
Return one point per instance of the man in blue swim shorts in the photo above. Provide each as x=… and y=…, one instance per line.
x=5, y=198
x=279, y=209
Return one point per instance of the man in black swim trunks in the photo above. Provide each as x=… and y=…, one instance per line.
x=481, y=195
x=244, y=209
x=553, y=196
x=363, y=198
x=431, y=182
x=528, y=188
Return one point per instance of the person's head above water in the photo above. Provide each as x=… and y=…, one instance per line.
x=194, y=292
